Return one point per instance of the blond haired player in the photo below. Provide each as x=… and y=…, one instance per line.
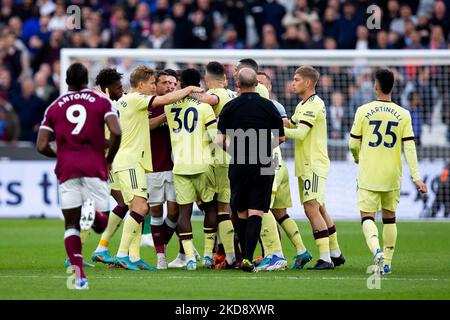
x=309, y=129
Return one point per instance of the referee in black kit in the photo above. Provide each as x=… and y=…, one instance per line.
x=254, y=127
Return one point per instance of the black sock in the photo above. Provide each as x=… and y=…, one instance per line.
x=252, y=236
x=241, y=226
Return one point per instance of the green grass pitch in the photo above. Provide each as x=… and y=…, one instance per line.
x=32, y=267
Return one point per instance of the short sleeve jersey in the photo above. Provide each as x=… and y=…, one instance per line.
x=77, y=120
x=188, y=121
x=134, y=147
x=311, y=154
x=224, y=96
x=221, y=157
x=381, y=126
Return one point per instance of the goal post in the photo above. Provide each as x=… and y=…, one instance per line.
x=422, y=86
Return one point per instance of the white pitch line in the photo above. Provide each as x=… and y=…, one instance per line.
x=239, y=278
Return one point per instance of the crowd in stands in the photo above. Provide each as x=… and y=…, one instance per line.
x=32, y=33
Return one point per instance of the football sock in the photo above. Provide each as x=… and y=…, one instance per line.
x=100, y=222
x=188, y=245
x=169, y=229
x=323, y=242
x=252, y=233
x=226, y=235
x=134, y=252
x=210, y=239
x=371, y=233
x=158, y=234
x=114, y=221
x=84, y=234
x=72, y=242
x=334, y=245
x=389, y=239
x=290, y=227
x=131, y=228
x=269, y=235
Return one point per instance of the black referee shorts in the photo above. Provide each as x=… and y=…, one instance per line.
x=249, y=189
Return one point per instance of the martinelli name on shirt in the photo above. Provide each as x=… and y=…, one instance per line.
x=383, y=109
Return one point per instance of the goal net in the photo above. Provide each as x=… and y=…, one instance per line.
x=422, y=86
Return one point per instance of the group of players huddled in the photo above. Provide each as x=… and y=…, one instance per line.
x=157, y=141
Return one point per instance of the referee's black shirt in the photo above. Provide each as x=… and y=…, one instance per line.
x=257, y=118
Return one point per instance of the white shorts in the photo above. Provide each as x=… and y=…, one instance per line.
x=73, y=192
x=160, y=187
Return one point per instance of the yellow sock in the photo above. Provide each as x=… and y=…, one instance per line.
x=84, y=234
x=135, y=247
x=131, y=229
x=210, y=240
x=371, y=233
x=114, y=222
x=269, y=235
x=188, y=247
x=334, y=242
x=389, y=240
x=324, y=248
x=226, y=232
x=290, y=227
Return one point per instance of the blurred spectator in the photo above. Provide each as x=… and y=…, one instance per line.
x=382, y=40
x=437, y=40
x=414, y=103
x=316, y=41
x=44, y=91
x=274, y=13
x=59, y=19
x=30, y=110
x=303, y=12
x=157, y=40
x=46, y=7
x=200, y=35
x=362, y=38
x=236, y=15
x=413, y=41
x=330, y=44
x=398, y=24
x=55, y=75
x=141, y=21
x=347, y=25
x=49, y=52
x=393, y=12
x=338, y=117
x=364, y=92
x=168, y=30
x=291, y=38
x=422, y=85
x=162, y=11
x=230, y=39
x=11, y=56
x=182, y=25
x=442, y=198
x=325, y=88
x=269, y=38
x=9, y=122
x=330, y=24
x=424, y=30
x=441, y=18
